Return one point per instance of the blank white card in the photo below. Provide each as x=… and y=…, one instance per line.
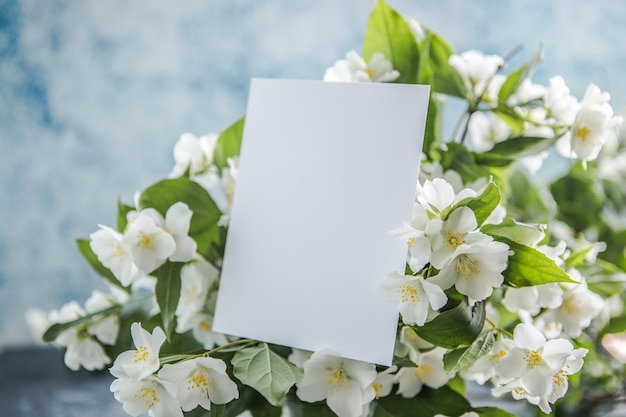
x=326, y=171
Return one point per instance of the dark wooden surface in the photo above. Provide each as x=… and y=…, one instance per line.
x=35, y=382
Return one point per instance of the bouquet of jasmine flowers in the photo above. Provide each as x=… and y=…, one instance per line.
x=511, y=281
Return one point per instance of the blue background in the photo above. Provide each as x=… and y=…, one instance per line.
x=94, y=94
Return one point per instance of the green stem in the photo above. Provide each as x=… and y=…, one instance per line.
x=187, y=356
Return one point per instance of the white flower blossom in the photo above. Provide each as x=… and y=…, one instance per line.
x=415, y=295
x=578, y=308
x=555, y=381
x=355, y=69
x=409, y=344
x=487, y=129
x=477, y=70
x=438, y=195
x=149, y=394
x=149, y=245
x=533, y=363
x=560, y=103
x=591, y=127
x=107, y=328
x=345, y=384
x=195, y=280
x=486, y=367
x=177, y=222
x=144, y=359
x=476, y=270
x=429, y=371
x=454, y=235
x=107, y=244
x=384, y=382
x=193, y=154
x=200, y=382
x=81, y=349
x=533, y=298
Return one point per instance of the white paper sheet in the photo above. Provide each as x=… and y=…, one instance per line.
x=326, y=171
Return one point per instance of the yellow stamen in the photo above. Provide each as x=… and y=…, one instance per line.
x=230, y=193
x=571, y=306
x=533, y=358
x=466, y=265
x=582, y=132
x=410, y=241
x=141, y=354
x=497, y=356
x=199, y=381
x=204, y=326
x=408, y=294
x=422, y=371
x=118, y=251
x=453, y=240
x=146, y=241
x=337, y=379
x=559, y=379
x=370, y=73
x=148, y=395
x=377, y=388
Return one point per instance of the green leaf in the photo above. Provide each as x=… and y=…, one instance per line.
x=527, y=234
x=457, y=359
x=456, y=327
x=461, y=160
x=122, y=211
x=203, y=228
x=492, y=159
x=167, y=293
x=85, y=249
x=511, y=117
x=266, y=410
x=217, y=410
x=527, y=201
x=521, y=146
x=577, y=258
x=228, y=144
x=527, y=266
x=56, y=329
x=388, y=32
x=577, y=200
x=483, y=204
x=493, y=412
x=605, y=278
x=434, y=125
x=264, y=370
x=319, y=409
x=515, y=79
x=435, y=69
x=428, y=403
x=615, y=325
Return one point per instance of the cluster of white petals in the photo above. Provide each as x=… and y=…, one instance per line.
x=448, y=239
x=148, y=241
x=354, y=69
x=478, y=72
x=143, y=385
x=195, y=307
x=194, y=156
x=537, y=369
x=84, y=342
x=593, y=125
x=345, y=384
